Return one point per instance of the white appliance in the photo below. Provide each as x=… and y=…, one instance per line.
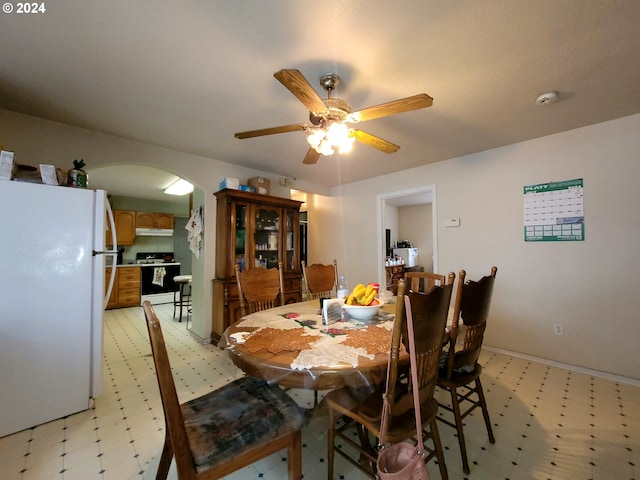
x=52, y=300
x=156, y=277
x=154, y=232
x=409, y=255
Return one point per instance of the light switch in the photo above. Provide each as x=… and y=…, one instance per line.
x=452, y=222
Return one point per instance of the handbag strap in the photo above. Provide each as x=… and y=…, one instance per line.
x=385, y=409
x=414, y=380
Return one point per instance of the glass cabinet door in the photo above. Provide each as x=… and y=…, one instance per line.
x=266, y=237
x=292, y=259
x=240, y=245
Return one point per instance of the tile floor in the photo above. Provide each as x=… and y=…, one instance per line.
x=549, y=423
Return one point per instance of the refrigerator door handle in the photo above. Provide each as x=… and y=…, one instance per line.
x=113, y=253
x=112, y=222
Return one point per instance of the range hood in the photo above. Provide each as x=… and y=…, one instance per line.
x=154, y=232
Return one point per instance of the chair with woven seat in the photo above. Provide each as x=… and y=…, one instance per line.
x=226, y=429
x=460, y=375
x=423, y=281
x=260, y=288
x=320, y=280
x=362, y=407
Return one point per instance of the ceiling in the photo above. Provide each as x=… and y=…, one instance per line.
x=187, y=75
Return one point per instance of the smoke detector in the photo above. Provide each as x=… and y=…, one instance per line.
x=547, y=98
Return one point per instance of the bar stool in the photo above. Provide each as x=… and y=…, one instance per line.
x=180, y=298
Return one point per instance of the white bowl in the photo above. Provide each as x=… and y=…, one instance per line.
x=360, y=312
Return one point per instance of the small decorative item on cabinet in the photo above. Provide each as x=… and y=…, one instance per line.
x=77, y=177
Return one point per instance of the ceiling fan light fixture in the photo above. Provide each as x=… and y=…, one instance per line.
x=337, y=133
x=347, y=145
x=314, y=137
x=324, y=139
x=325, y=148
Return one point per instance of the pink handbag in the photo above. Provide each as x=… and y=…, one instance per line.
x=404, y=460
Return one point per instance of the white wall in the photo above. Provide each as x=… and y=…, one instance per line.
x=590, y=287
x=416, y=225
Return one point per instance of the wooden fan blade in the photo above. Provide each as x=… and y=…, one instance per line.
x=311, y=158
x=421, y=100
x=298, y=127
x=295, y=82
x=375, y=142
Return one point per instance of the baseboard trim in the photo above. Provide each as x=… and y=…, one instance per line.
x=567, y=366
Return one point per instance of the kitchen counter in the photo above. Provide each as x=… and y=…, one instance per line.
x=143, y=264
x=165, y=264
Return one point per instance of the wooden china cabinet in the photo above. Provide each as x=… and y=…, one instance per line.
x=253, y=230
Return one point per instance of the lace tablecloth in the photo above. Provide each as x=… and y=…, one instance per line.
x=330, y=345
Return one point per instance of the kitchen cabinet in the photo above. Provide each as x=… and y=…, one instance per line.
x=394, y=274
x=253, y=230
x=125, y=221
x=154, y=220
x=126, y=287
x=112, y=302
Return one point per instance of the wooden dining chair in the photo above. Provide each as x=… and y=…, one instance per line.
x=461, y=373
x=320, y=280
x=423, y=281
x=362, y=408
x=259, y=288
x=224, y=430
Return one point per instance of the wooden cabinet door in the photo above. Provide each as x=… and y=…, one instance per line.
x=164, y=220
x=154, y=220
x=125, y=221
x=291, y=241
x=265, y=236
x=145, y=220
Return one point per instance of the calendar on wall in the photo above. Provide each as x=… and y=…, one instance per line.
x=554, y=211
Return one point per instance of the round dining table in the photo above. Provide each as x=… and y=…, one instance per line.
x=298, y=351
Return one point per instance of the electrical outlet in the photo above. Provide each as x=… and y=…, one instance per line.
x=558, y=329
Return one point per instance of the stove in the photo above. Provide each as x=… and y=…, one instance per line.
x=146, y=258
x=156, y=280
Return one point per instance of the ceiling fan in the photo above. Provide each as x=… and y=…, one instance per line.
x=329, y=117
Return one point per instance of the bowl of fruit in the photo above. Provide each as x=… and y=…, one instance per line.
x=361, y=303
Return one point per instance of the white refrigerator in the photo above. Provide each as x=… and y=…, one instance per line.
x=409, y=255
x=52, y=300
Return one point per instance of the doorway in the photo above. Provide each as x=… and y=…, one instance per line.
x=425, y=195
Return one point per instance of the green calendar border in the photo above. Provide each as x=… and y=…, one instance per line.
x=548, y=187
